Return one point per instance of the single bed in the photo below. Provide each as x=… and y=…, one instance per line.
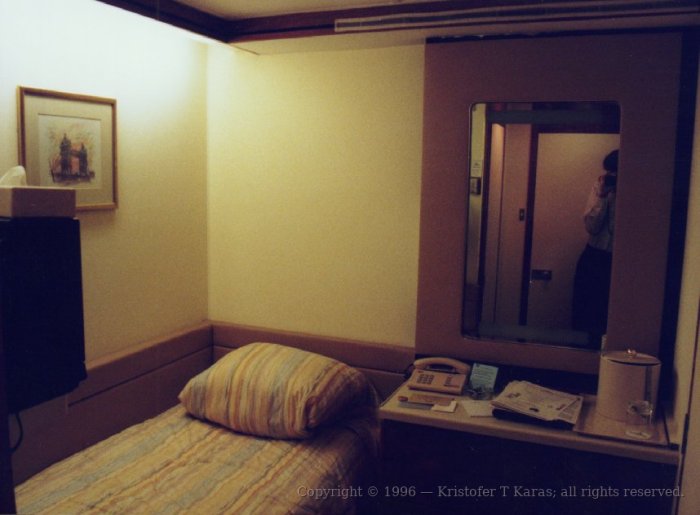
x=267, y=429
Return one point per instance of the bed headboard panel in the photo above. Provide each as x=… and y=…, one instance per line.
x=384, y=364
x=121, y=389
x=141, y=381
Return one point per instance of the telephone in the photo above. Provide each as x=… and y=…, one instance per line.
x=443, y=375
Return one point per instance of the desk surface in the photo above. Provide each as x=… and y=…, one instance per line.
x=391, y=409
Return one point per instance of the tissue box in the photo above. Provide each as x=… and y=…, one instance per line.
x=29, y=201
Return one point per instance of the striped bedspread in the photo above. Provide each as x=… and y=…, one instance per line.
x=174, y=463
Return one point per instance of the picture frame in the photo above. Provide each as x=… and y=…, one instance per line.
x=69, y=140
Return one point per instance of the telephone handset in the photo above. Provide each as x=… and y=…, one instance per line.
x=443, y=375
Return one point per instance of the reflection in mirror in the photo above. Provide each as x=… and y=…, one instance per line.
x=540, y=225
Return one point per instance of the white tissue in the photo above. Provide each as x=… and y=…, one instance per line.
x=15, y=176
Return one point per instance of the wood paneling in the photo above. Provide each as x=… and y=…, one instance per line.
x=122, y=389
x=383, y=364
x=142, y=381
x=379, y=356
x=641, y=72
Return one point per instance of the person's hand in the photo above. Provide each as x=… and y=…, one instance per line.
x=603, y=187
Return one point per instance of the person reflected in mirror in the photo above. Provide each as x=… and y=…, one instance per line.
x=592, y=276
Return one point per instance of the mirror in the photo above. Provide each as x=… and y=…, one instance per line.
x=534, y=271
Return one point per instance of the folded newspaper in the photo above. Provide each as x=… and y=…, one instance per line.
x=539, y=402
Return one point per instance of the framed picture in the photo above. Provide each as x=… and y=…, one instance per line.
x=69, y=141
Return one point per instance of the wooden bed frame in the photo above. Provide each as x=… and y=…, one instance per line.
x=142, y=381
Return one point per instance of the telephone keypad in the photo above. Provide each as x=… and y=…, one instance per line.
x=426, y=379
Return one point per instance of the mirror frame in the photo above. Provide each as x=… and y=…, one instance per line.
x=635, y=70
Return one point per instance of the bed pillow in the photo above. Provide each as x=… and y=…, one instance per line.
x=271, y=390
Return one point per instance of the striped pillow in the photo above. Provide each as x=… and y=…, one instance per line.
x=266, y=389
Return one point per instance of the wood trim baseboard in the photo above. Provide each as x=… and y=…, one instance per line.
x=377, y=356
x=383, y=364
x=143, y=380
x=117, y=368
x=140, y=381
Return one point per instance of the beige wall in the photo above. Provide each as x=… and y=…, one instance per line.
x=144, y=265
x=314, y=191
x=314, y=164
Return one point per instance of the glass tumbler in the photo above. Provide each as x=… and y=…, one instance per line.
x=640, y=420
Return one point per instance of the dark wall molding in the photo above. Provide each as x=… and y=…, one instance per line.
x=324, y=22
x=288, y=25
x=178, y=15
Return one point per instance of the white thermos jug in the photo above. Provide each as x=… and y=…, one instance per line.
x=624, y=377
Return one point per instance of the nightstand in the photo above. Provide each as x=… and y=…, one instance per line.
x=436, y=462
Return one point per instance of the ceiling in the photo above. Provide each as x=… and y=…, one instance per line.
x=237, y=9
x=276, y=26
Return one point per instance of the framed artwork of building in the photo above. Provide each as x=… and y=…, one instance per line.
x=68, y=140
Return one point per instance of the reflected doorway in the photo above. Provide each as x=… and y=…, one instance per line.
x=532, y=169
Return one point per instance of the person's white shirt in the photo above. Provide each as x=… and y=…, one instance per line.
x=599, y=216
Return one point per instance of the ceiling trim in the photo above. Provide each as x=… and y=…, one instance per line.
x=324, y=22
x=178, y=15
x=393, y=17
x=558, y=12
